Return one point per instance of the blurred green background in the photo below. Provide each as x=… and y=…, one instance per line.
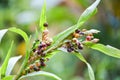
x=62, y=14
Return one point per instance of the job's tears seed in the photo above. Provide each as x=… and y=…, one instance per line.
x=45, y=24
x=77, y=31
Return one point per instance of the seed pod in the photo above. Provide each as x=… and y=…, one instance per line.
x=80, y=46
x=95, y=40
x=36, y=68
x=70, y=49
x=31, y=67
x=45, y=24
x=42, y=64
x=39, y=52
x=75, y=40
x=43, y=54
x=81, y=33
x=37, y=64
x=76, y=35
x=45, y=32
x=42, y=59
x=83, y=30
x=77, y=31
x=88, y=38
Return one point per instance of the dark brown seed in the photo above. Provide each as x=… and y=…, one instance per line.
x=39, y=52
x=36, y=68
x=45, y=24
x=70, y=49
x=80, y=46
x=40, y=46
x=81, y=33
x=31, y=67
x=42, y=59
x=34, y=50
x=77, y=31
x=43, y=54
x=42, y=64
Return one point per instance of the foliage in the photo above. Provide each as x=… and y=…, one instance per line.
x=53, y=49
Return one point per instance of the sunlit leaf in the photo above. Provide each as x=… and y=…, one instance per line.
x=43, y=17
x=90, y=70
x=11, y=64
x=79, y=55
x=8, y=77
x=31, y=76
x=89, y=12
x=5, y=63
x=108, y=50
x=2, y=33
x=20, y=32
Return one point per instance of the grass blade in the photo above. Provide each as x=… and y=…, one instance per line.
x=38, y=75
x=43, y=17
x=5, y=64
x=2, y=33
x=11, y=64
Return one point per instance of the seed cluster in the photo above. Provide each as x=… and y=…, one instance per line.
x=37, y=57
x=76, y=43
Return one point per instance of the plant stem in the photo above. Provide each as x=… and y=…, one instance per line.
x=23, y=66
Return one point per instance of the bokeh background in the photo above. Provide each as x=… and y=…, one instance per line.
x=62, y=14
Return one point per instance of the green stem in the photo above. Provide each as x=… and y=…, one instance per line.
x=23, y=66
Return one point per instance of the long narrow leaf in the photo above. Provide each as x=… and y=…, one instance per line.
x=5, y=64
x=43, y=17
x=90, y=70
x=20, y=32
x=79, y=55
x=33, y=75
x=8, y=77
x=2, y=33
x=89, y=12
x=11, y=64
x=108, y=50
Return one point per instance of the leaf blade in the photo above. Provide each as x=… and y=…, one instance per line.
x=2, y=33
x=108, y=50
x=5, y=63
x=90, y=70
x=43, y=17
x=20, y=32
x=40, y=73
x=11, y=64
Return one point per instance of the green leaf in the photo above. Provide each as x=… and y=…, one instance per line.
x=43, y=17
x=108, y=50
x=2, y=33
x=8, y=77
x=90, y=70
x=5, y=64
x=79, y=55
x=11, y=64
x=33, y=75
x=20, y=32
x=89, y=12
